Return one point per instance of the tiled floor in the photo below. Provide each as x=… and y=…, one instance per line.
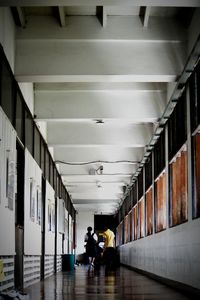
x=87, y=284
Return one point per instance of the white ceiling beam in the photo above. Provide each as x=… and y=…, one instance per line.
x=105, y=86
x=67, y=179
x=87, y=154
x=63, y=134
x=107, y=169
x=105, y=61
x=90, y=201
x=118, y=28
x=98, y=197
x=107, y=105
x=21, y=16
x=61, y=12
x=102, y=15
x=145, y=14
x=168, y=3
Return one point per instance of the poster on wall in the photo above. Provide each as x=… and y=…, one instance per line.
x=10, y=180
x=49, y=215
x=61, y=215
x=38, y=206
x=32, y=200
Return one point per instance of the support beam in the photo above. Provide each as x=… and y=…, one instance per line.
x=61, y=12
x=19, y=16
x=169, y=3
x=107, y=169
x=123, y=106
x=144, y=15
x=102, y=15
x=91, y=62
x=90, y=201
x=87, y=154
x=119, y=28
x=63, y=134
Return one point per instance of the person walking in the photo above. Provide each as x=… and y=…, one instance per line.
x=91, y=245
x=109, y=254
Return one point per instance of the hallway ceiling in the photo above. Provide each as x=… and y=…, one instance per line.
x=103, y=73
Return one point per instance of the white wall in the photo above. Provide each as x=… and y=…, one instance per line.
x=61, y=224
x=83, y=220
x=7, y=35
x=173, y=253
x=27, y=92
x=32, y=225
x=49, y=234
x=7, y=165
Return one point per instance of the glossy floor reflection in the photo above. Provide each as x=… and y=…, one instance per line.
x=85, y=283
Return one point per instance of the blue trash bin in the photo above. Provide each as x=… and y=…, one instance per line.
x=68, y=261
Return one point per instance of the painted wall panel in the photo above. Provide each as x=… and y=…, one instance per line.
x=50, y=220
x=173, y=253
x=197, y=176
x=149, y=212
x=7, y=186
x=32, y=206
x=126, y=236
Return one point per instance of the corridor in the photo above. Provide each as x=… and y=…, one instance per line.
x=86, y=284
x=100, y=128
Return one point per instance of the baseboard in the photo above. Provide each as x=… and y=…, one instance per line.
x=181, y=287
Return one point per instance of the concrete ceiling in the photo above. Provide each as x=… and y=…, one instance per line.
x=103, y=73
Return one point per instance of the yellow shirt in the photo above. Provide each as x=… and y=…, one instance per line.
x=109, y=238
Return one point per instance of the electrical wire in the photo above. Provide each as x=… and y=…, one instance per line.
x=96, y=161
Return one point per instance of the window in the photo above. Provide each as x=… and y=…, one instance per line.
x=47, y=157
x=149, y=211
x=7, y=90
x=177, y=130
x=55, y=179
x=42, y=160
x=135, y=193
x=160, y=202
x=19, y=116
x=140, y=184
x=51, y=172
x=194, y=85
x=37, y=146
x=178, y=188
x=159, y=155
x=29, y=131
x=148, y=172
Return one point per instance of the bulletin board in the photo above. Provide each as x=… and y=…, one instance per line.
x=179, y=188
x=160, y=202
x=149, y=211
